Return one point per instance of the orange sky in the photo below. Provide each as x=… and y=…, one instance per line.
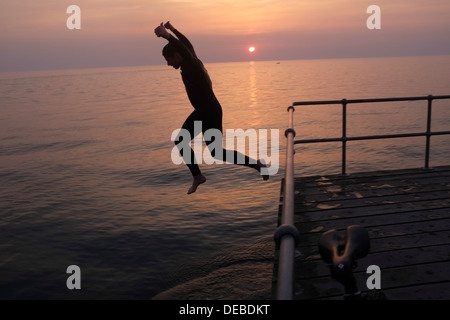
x=120, y=32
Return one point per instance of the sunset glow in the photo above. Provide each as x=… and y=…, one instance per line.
x=251, y=49
x=118, y=33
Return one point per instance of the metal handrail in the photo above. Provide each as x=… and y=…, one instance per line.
x=428, y=133
x=287, y=235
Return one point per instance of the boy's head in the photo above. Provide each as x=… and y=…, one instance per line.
x=172, y=56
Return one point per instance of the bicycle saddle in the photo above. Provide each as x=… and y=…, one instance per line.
x=341, y=250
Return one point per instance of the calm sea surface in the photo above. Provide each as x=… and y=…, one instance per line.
x=86, y=176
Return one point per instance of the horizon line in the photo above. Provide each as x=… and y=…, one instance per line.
x=217, y=62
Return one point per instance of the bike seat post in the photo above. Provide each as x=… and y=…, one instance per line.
x=344, y=274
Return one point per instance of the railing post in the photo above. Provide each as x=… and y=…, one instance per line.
x=427, y=147
x=344, y=102
x=344, y=137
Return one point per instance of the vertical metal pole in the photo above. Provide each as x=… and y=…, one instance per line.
x=427, y=148
x=344, y=136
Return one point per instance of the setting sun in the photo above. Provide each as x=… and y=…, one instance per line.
x=251, y=49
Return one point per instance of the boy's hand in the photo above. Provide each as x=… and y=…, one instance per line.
x=169, y=26
x=160, y=31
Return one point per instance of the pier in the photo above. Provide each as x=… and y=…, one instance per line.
x=406, y=212
x=407, y=215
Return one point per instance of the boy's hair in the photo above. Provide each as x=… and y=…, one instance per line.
x=169, y=50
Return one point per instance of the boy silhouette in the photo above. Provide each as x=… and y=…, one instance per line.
x=179, y=53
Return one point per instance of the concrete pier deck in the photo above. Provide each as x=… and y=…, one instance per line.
x=407, y=215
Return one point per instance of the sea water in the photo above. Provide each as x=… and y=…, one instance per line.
x=86, y=176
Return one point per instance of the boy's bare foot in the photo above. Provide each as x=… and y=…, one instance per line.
x=198, y=180
x=261, y=164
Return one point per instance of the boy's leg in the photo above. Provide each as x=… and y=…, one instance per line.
x=189, y=158
x=231, y=156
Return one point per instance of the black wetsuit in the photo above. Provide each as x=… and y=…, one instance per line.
x=207, y=107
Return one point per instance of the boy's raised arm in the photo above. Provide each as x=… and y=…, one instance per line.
x=181, y=37
x=185, y=52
